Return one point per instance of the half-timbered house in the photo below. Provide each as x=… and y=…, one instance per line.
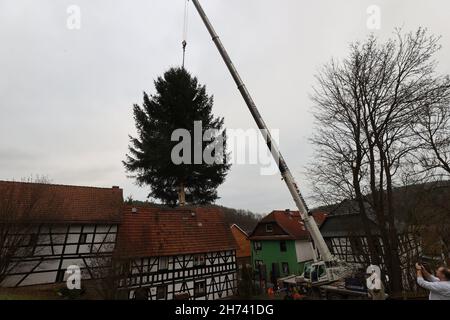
x=177, y=254
x=66, y=226
x=346, y=238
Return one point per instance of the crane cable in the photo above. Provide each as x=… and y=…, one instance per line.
x=185, y=29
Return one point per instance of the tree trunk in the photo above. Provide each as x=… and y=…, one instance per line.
x=374, y=259
x=397, y=283
x=181, y=195
x=356, y=171
x=377, y=199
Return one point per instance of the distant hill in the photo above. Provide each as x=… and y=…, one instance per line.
x=245, y=219
x=411, y=202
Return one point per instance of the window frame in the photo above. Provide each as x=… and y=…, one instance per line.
x=283, y=244
x=283, y=265
x=269, y=226
x=321, y=271
x=196, y=292
x=202, y=258
x=166, y=266
x=257, y=245
x=158, y=288
x=60, y=274
x=83, y=238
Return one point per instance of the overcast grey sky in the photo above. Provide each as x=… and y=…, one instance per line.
x=66, y=95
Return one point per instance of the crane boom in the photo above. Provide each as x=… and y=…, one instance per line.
x=309, y=221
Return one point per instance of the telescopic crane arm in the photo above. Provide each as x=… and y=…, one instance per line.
x=310, y=224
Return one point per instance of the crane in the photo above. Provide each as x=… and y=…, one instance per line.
x=328, y=268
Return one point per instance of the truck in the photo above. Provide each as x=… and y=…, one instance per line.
x=358, y=285
x=314, y=282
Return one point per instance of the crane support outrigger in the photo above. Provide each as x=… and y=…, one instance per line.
x=333, y=267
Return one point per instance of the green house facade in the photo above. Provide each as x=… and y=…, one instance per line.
x=280, y=246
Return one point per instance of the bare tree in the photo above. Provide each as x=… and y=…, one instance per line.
x=21, y=209
x=108, y=272
x=365, y=108
x=434, y=131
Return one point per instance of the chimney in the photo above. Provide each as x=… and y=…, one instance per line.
x=115, y=187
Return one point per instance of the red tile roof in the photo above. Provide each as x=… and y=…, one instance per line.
x=60, y=203
x=290, y=222
x=242, y=241
x=154, y=232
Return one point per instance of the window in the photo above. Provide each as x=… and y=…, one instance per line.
x=283, y=246
x=125, y=268
x=285, y=267
x=161, y=293
x=83, y=238
x=356, y=246
x=307, y=270
x=141, y=294
x=257, y=245
x=258, y=263
x=275, y=272
x=200, y=289
x=199, y=260
x=322, y=271
x=163, y=263
x=60, y=275
x=269, y=228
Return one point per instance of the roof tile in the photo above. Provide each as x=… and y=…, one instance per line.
x=60, y=203
x=291, y=222
x=162, y=232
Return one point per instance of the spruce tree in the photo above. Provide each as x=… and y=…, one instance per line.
x=179, y=101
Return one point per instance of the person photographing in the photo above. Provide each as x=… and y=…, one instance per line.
x=375, y=287
x=439, y=285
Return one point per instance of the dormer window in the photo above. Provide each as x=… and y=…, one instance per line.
x=269, y=228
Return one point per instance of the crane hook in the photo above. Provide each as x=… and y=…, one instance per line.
x=184, y=43
x=185, y=30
